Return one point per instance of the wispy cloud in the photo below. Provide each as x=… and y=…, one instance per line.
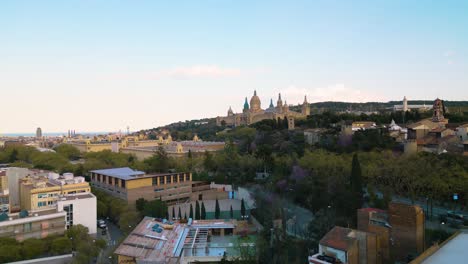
x=192, y=72
x=335, y=92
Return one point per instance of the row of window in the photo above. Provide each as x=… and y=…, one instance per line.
x=170, y=179
x=46, y=203
x=108, y=180
x=47, y=195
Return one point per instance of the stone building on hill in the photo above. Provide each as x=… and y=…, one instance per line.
x=254, y=113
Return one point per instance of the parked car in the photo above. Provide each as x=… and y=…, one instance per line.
x=101, y=224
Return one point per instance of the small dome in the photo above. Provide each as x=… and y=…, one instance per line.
x=255, y=104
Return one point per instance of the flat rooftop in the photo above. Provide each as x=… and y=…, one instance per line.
x=78, y=196
x=124, y=173
x=454, y=250
x=146, y=245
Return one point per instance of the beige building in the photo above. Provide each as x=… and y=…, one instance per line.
x=38, y=224
x=42, y=192
x=4, y=192
x=254, y=113
x=130, y=185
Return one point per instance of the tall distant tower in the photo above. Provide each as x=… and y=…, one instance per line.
x=38, y=132
x=438, y=111
x=405, y=104
x=246, y=106
x=128, y=130
x=305, y=107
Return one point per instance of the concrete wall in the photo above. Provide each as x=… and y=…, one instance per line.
x=84, y=211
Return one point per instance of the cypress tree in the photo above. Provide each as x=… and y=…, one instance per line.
x=217, y=210
x=231, y=212
x=242, y=207
x=197, y=210
x=356, y=182
x=203, y=211
x=191, y=211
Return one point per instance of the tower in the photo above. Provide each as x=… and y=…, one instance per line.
x=230, y=112
x=38, y=132
x=279, y=103
x=246, y=106
x=305, y=107
x=438, y=111
x=255, y=104
x=290, y=123
x=405, y=104
x=271, y=103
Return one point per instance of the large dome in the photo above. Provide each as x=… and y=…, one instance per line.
x=255, y=104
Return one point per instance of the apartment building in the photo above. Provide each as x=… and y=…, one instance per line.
x=40, y=192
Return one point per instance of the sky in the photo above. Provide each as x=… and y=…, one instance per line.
x=104, y=65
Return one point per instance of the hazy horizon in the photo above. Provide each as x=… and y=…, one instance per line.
x=103, y=66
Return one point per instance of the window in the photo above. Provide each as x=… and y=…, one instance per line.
x=181, y=177
x=169, y=179
x=99, y=177
x=162, y=180
x=155, y=181
x=116, y=182
x=187, y=177
x=122, y=182
x=174, y=178
x=104, y=178
x=110, y=180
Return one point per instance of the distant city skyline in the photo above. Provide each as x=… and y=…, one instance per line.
x=102, y=65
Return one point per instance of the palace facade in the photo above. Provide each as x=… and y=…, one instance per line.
x=254, y=113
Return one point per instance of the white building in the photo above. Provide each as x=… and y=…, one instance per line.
x=80, y=209
x=462, y=132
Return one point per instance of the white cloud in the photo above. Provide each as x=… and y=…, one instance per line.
x=336, y=92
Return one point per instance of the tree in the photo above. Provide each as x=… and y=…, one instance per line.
x=197, y=210
x=68, y=151
x=61, y=245
x=217, y=210
x=203, y=211
x=128, y=220
x=140, y=204
x=191, y=211
x=231, y=213
x=32, y=248
x=356, y=183
x=10, y=253
x=155, y=208
x=242, y=207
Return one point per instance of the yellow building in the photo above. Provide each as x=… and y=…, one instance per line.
x=42, y=192
x=4, y=193
x=131, y=185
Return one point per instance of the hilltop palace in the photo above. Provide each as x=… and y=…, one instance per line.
x=254, y=113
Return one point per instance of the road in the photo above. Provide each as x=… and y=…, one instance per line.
x=112, y=238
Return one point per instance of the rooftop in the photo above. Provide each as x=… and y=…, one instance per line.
x=338, y=238
x=124, y=173
x=147, y=245
x=454, y=250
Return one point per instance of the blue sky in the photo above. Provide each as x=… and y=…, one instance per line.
x=103, y=65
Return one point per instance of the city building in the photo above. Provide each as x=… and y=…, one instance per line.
x=462, y=132
x=38, y=133
x=314, y=135
x=39, y=192
x=159, y=241
x=453, y=250
x=407, y=230
x=254, y=113
x=349, y=246
x=363, y=125
x=38, y=224
x=4, y=192
x=407, y=107
x=173, y=148
x=14, y=175
x=376, y=221
x=131, y=185
x=80, y=209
